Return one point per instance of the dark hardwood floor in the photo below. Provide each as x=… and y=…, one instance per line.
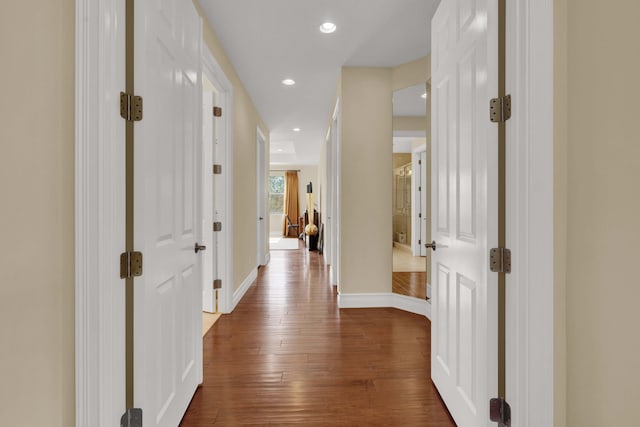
x=412, y=284
x=288, y=356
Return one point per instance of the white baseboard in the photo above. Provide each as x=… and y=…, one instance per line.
x=364, y=300
x=412, y=305
x=267, y=258
x=377, y=300
x=244, y=287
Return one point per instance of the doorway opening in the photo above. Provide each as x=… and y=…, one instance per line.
x=276, y=204
x=262, y=248
x=410, y=219
x=210, y=238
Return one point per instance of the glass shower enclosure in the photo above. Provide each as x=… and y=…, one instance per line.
x=402, y=177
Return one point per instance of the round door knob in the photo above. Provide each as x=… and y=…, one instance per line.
x=431, y=245
x=199, y=248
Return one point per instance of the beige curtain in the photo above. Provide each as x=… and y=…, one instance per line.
x=291, y=207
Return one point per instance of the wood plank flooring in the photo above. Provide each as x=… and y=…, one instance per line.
x=412, y=284
x=288, y=356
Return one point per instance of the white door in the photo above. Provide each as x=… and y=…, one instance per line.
x=327, y=251
x=464, y=208
x=261, y=201
x=167, y=298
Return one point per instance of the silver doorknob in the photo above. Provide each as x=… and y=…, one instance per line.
x=431, y=245
x=199, y=248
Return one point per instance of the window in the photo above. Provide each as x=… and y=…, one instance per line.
x=276, y=194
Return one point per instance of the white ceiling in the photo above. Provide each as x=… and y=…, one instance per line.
x=409, y=101
x=270, y=40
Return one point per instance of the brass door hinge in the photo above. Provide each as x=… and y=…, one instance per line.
x=217, y=226
x=217, y=284
x=500, y=260
x=217, y=169
x=500, y=109
x=217, y=111
x=130, y=107
x=131, y=418
x=500, y=412
x=130, y=264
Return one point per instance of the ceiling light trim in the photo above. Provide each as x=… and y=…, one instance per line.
x=328, y=27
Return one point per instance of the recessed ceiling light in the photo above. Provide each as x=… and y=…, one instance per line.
x=288, y=82
x=296, y=129
x=424, y=95
x=328, y=27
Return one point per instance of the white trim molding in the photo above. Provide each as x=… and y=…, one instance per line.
x=99, y=213
x=370, y=300
x=262, y=225
x=412, y=305
x=244, y=287
x=218, y=78
x=385, y=300
x=530, y=188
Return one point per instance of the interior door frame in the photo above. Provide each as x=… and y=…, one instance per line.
x=416, y=223
x=336, y=164
x=327, y=250
x=212, y=70
x=207, y=237
x=530, y=346
x=530, y=349
x=262, y=225
x=100, y=368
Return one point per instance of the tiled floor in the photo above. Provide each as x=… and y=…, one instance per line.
x=403, y=260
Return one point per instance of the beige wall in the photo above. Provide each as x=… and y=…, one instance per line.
x=400, y=159
x=365, y=264
x=410, y=123
x=411, y=73
x=37, y=213
x=602, y=169
x=245, y=122
x=366, y=124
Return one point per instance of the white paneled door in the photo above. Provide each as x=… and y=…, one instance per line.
x=464, y=364
x=168, y=296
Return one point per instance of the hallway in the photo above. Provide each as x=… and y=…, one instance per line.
x=287, y=355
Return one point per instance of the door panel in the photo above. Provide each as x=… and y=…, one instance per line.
x=464, y=206
x=167, y=215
